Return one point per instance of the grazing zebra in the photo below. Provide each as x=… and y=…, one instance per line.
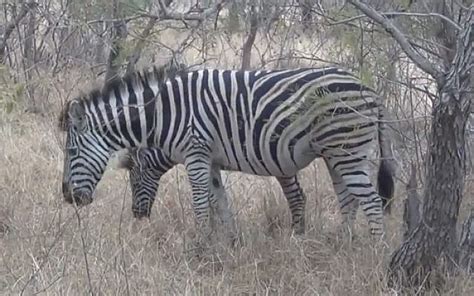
x=270, y=123
x=147, y=165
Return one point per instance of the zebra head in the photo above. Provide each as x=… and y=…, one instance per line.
x=86, y=153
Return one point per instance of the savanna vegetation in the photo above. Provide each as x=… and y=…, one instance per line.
x=418, y=54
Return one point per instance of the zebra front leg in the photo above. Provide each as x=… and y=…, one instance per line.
x=145, y=167
x=144, y=187
x=198, y=167
x=353, y=172
x=220, y=202
x=296, y=201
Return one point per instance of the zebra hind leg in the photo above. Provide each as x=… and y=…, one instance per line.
x=352, y=171
x=348, y=203
x=296, y=201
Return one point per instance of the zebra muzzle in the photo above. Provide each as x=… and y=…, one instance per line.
x=82, y=198
x=79, y=197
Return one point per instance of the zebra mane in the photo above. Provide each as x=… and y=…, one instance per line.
x=157, y=74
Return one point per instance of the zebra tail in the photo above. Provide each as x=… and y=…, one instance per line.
x=385, y=177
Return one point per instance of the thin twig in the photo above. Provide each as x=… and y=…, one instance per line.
x=83, y=242
x=122, y=250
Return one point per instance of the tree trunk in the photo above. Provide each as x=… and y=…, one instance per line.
x=247, y=48
x=29, y=57
x=433, y=240
x=119, y=33
x=435, y=236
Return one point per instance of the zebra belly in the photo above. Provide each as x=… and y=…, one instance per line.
x=287, y=160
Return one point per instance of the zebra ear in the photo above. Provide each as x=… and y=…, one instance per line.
x=77, y=114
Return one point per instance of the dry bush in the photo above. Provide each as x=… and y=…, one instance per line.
x=46, y=246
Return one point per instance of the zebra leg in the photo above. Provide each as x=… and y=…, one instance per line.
x=296, y=201
x=144, y=185
x=352, y=170
x=145, y=167
x=220, y=202
x=198, y=166
x=348, y=203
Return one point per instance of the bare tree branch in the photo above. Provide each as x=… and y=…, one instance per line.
x=397, y=13
x=25, y=8
x=422, y=62
x=166, y=14
x=135, y=55
x=119, y=33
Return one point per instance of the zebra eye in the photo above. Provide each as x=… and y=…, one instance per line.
x=72, y=151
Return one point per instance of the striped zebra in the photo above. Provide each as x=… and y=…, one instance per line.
x=269, y=123
x=146, y=166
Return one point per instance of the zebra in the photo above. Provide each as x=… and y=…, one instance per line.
x=269, y=123
x=146, y=166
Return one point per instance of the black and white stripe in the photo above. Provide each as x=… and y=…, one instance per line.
x=270, y=123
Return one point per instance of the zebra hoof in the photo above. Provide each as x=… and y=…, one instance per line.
x=80, y=198
x=141, y=213
x=299, y=227
x=379, y=239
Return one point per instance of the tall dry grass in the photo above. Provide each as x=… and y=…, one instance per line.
x=50, y=248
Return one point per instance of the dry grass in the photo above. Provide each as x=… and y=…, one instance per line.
x=47, y=247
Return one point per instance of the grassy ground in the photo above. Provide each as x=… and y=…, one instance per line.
x=47, y=247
